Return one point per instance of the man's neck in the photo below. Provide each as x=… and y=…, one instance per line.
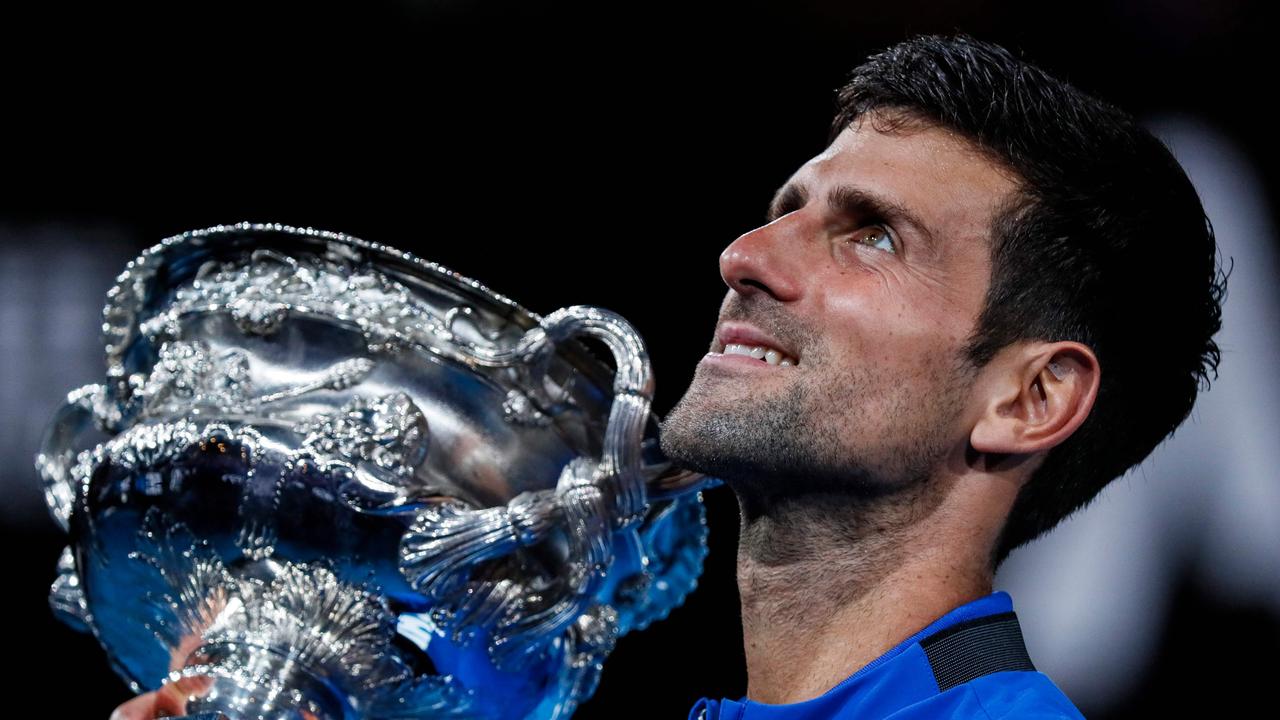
x=825, y=590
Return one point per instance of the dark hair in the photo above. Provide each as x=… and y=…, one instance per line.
x=1106, y=243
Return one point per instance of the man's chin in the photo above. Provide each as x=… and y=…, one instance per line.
x=760, y=454
x=722, y=444
x=685, y=438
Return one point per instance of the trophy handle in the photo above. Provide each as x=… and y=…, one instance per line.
x=84, y=408
x=591, y=500
x=618, y=471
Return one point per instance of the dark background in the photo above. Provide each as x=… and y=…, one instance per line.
x=560, y=153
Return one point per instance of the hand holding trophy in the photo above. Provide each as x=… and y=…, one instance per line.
x=333, y=481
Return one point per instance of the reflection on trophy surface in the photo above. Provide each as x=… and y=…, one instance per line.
x=325, y=479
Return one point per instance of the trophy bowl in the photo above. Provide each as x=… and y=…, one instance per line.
x=324, y=479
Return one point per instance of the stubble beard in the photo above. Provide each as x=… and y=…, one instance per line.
x=801, y=439
x=815, y=463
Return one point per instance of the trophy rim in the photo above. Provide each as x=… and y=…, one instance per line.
x=121, y=324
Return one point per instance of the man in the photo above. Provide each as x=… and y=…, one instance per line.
x=988, y=297
x=906, y=380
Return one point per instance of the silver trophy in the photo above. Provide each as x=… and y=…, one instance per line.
x=324, y=479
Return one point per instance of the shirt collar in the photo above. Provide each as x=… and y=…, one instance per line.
x=895, y=679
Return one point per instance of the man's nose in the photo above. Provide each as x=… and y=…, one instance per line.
x=763, y=260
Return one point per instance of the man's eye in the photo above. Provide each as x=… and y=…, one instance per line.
x=876, y=236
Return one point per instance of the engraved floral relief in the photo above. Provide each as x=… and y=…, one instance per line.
x=389, y=431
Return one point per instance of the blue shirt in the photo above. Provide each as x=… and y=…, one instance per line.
x=903, y=683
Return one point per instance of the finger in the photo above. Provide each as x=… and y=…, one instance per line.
x=142, y=707
x=170, y=701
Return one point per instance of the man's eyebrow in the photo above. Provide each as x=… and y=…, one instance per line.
x=859, y=202
x=789, y=198
x=851, y=200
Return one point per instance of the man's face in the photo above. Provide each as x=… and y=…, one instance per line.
x=870, y=275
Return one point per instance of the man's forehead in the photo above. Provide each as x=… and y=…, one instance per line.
x=903, y=158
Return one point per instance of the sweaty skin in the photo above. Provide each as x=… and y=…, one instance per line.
x=874, y=475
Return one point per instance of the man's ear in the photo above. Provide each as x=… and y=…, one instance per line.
x=1036, y=395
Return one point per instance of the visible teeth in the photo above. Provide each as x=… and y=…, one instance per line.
x=759, y=352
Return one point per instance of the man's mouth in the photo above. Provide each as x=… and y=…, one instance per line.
x=760, y=352
x=738, y=338
x=763, y=353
